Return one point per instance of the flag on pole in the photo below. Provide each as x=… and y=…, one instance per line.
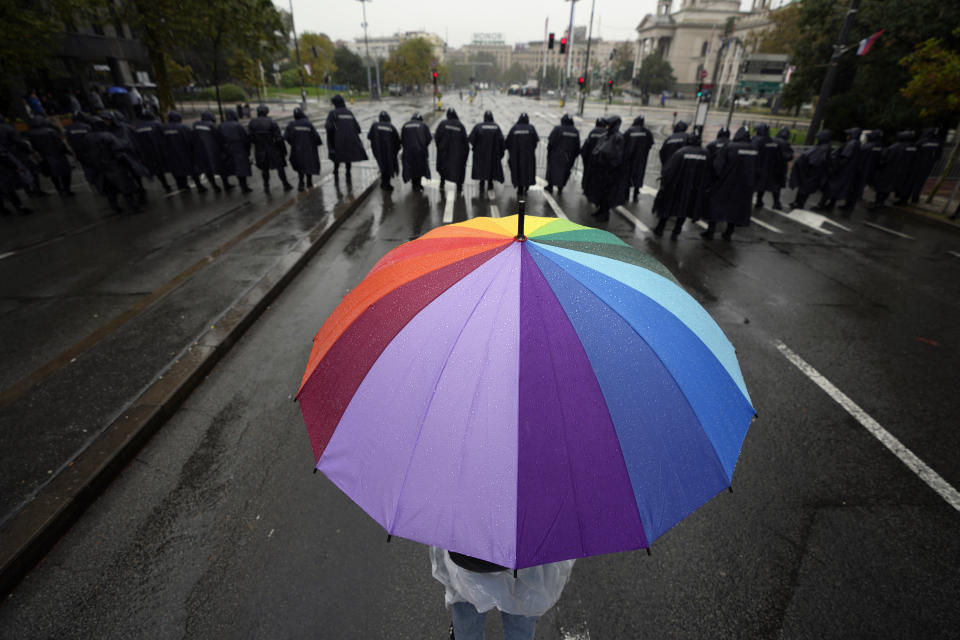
x=866, y=43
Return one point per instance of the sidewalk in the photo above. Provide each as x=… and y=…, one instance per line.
x=72, y=419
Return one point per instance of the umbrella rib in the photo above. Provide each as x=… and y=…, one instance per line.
x=713, y=448
x=433, y=394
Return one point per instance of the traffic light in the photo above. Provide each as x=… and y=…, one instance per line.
x=434, y=81
x=563, y=45
x=550, y=42
x=699, y=91
x=582, y=82
x=610, y=84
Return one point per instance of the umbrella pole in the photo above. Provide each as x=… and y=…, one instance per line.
x=522, y=209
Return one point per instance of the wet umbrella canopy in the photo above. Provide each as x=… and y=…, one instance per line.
x=524, y=400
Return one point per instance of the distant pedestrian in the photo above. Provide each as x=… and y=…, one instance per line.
x=414, y=138
x=732, y=184
x=639, y=141
x=521, y=144
x=609, y=180
x=343, y=138
x=586, y=151
x=486, y=140
x=304, y=143
x=13, y=173
x=563, y=147
x=674, y=141
x=236, y=151
x=25, y=156
x=34, y=104
x=929, y=150
x=96, y=102
x=683, y=187
x=453, y=147
x=53, y=151
x=809, y=171
x=269, y=150
x=178, y=154
x=149, y=132
x=385, y=144
x=208, y=148
x=473, y=587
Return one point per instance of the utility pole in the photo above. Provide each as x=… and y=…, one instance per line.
x=546, y=28
x=296, y=45
x=566, y=75
x=586, y=73
x=374, y=91
x=827, y=87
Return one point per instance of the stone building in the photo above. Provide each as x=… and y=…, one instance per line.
x=381, y=47
x=690, y=37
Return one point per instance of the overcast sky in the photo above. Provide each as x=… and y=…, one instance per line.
x=457, y=21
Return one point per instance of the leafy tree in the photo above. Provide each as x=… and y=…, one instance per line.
x=321, y=62
x=867, y=88
x=348, y=68
x=934, y=84
x=178, y=76
x=622, y=63
x=655, y=74
x=410, y=64
x=515, y=74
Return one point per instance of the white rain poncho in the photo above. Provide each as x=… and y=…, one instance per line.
x=531, y=593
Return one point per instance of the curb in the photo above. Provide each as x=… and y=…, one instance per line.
x=28, y=535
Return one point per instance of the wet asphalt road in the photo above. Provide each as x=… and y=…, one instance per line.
x=219, y=528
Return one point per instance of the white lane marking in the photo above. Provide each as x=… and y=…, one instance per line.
x=542, y=115
x=954, y=254
x=702, y=224
x=494, y=211
x=13, y=253
x=890, y=231
x=650, y=191
x=907, y=457
x=173, y=193
x=807, y=219
x=638, y=226
x=557, y=211
x=765, y=225
x=448, y=208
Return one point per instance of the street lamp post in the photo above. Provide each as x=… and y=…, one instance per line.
x=374, y=91
x=296, y=45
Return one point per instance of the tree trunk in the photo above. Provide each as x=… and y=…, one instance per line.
x=164, y=94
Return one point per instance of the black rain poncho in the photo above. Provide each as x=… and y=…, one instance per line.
x=486, y=139
x=683, y=184
x=452, y=148
x=521, y=143
x=269, y=151
x=843, y=178
x=722, y=140
x=778, y=176
x=586, y=151
x=767, y=152
x=414, y=139
x=178, y=141
x=304, y=144
x=236, y=146
x=871, y=154
x=208, y=151
x=929, y=150
x=809, y=171
x=898, y=160
x=673, y=142
x=563, y=147
x=639, y=141
x=609, y=179
x=52, y=149
x=149, y=132
x=343, y=134
x=385, y=144
x=733, y=181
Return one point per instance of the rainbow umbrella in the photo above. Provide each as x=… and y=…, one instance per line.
x=524, y=399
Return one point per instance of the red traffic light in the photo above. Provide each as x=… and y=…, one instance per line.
x=434, y=75
x=563, y=45
x=550, y=42
x=581, y=80
x=610, y=83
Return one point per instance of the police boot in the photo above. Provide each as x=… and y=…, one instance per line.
x=677, y=228
x=636, y=193
x=776, y=205
x=728, y=233
x=266, y=187
x=300, y=183
x=459, y=188
x=548, y=188
x=244, y=187
x=759, y=203
x=658, y=230
x=309, y=182
x=708, y=234
x=442, y=183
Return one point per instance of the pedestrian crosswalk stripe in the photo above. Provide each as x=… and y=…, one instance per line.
x=890, y=231
x=638, y=227
x=954, y=254
x=766, y=225
x=555, y=206
x=702, y=224
x=494, y=211
x=448, y=208
x=807, y=219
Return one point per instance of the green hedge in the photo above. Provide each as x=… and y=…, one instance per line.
x=228, y=93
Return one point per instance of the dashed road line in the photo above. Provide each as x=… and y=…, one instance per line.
x=702, y=224
x=638, y=226
x=954, y=254
x=807, y=219
x=907, y=457
x=494, y=211
x=890, y=231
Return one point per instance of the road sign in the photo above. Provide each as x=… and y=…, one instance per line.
x=703, y=74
